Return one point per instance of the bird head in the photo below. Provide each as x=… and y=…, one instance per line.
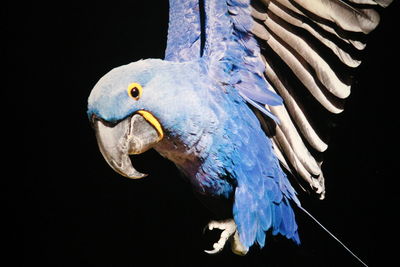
x=123, y=108
x=133, y=107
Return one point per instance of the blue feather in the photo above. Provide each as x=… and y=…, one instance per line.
x=286, y=218
x=265, y=215
x=212, y=135
x=261, y=108
x=260, y=237
x=276, y=219
x=246, y=218
x=184, y=31
x=239, y=3
x=253, y=86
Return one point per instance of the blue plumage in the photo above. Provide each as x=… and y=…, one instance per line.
x=202, y=103
x=184, y=31
x=202, y=106
x=262, y=187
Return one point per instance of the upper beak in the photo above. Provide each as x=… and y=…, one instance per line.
x=133, y=135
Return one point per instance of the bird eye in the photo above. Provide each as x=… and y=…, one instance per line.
x=135, y=91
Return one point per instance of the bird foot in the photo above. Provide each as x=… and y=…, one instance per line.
x=229, y=232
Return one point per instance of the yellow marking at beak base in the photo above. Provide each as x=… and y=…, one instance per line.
x=153, y=121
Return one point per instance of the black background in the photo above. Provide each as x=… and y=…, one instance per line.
x=77, y=212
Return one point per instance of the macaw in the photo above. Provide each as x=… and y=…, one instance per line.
x=233, y=103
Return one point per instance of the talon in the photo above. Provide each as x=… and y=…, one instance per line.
x=228, y=228
x=215, y=250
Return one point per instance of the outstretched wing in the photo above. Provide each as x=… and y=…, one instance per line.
x=301, y=53
x=311, y=50
x=307, y=50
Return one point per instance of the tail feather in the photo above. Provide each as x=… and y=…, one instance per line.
x=255, y=216
x=284, y=221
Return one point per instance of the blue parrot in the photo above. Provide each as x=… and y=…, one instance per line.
x=232, y=104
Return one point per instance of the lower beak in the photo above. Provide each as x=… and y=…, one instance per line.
x=134, y=135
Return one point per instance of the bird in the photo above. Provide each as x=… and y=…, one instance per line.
x=236, y=104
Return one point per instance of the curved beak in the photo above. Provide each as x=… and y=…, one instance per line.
x=133, y=135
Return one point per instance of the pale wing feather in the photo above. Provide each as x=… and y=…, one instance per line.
x=301, y=22
x=295, y=31
x=297, y=113
x=324, y=26
x=342, y=14
x=323, y=71
x=383, y=3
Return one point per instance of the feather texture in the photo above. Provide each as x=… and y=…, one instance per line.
x=322, y=24
x=234, y=60
x=270, y=50
x=318, y=41
x=296, y=112
x=303, y=71
x=184, y=31
x=342, y=14
x=303, y=23
x=250, y=95
x=383, y=3
x=321, y=68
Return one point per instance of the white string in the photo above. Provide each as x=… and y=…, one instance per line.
x=332, y=235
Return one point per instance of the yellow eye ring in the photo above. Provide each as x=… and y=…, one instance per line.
x=135, y=91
